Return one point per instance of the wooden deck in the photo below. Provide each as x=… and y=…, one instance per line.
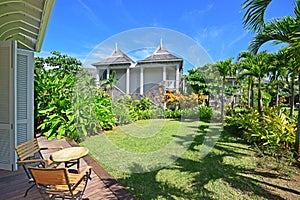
x=102, y=186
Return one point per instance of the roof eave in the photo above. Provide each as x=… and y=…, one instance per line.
x=48, y=7
x=157, y=61
x=110, y=64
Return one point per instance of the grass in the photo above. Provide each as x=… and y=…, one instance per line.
x=169, y=159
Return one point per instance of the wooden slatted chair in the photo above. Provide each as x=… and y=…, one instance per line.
x=29, y=153
x=59, y=183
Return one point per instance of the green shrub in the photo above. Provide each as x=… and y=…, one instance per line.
x=173, y=113
x=157, y=113
x=274, y=129
x=67, y=101
x=53, y=95
x=143, y=104
x=122, y=113
x=104, y=111
x=205, y=112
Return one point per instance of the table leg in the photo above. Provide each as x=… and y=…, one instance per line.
x=78, y=166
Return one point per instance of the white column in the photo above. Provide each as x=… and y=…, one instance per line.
x=142, y=81
x=127, y=80
x=177, y=78
x=164, y=73
x=107, y=73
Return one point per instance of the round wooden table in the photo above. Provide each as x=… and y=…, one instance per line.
x=70, y=156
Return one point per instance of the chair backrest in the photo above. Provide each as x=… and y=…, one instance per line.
x=50, y=176
x=27, y=149
x=58, y=182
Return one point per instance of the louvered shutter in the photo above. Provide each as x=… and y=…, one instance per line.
x=24, y=96
x=7, y=137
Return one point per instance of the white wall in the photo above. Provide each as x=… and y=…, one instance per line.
x=134, y=80
x=121, y=77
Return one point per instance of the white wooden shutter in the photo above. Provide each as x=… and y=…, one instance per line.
x=7, y=137
x=24, y=96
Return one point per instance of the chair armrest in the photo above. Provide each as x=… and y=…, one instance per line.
x=54, y=147
x=80, y=177
x=31, y=161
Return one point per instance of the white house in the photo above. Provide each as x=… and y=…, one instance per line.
x=143, y=77
x=23, y=24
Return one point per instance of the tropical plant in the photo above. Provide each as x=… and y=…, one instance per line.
x=53, y=92
x=258, y=67
x=282, y=30
x=196, y=81
x=274, y=129
x=225, y=68
x=103, y=109
x=244, y=64
x=67, y=101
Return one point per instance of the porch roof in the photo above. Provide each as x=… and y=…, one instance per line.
x=161, y=55
x=25, y=21
x=117, y=57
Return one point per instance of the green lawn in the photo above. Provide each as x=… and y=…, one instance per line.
x=169, y=159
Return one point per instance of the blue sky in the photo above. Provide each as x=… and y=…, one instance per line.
x=76, y=27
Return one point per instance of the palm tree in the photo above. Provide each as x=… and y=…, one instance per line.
x=245, y=64
x=286, y=30
x=225, y=68
x=282, y=75
x=258, y=67
x=276, y=73
x=109, y=83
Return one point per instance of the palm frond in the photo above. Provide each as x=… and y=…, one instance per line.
x=278, y=30
x=297, y=10
x=254, y=15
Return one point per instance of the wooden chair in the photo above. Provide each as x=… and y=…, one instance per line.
x=29, y=153
x=59, y=183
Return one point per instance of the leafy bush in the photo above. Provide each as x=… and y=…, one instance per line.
x=274, y=129
x=67, y=101
x=121, y=113
x=84, y=106
x=103, y=109
x=143, y=104
x=157, y=112
x=54, y=116
x=173, y=113
x=124, y=111
x=205, y=112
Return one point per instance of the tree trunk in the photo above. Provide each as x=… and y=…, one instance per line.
x=292, y=99
x=297, y=144
x=252, y=93
x=277, y=96
x=222, y=100
x=248, y=92
x=259, y=99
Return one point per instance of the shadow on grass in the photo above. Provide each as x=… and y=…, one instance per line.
x=202, y=173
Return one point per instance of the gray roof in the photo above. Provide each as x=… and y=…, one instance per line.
x=116, y=58
x=161, y=55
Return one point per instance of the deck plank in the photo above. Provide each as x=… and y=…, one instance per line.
x=102, y=186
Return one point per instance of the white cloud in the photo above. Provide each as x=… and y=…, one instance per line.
x=187, y=16
x=209, y=33
x=201, y=11
x=139, y=54
x=92, y=16
x=239, y=38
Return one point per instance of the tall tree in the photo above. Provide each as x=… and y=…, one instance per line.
x=244, y=65
x=284, y=30
x=196, y=80
x=258, y=67
x=225, y=68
